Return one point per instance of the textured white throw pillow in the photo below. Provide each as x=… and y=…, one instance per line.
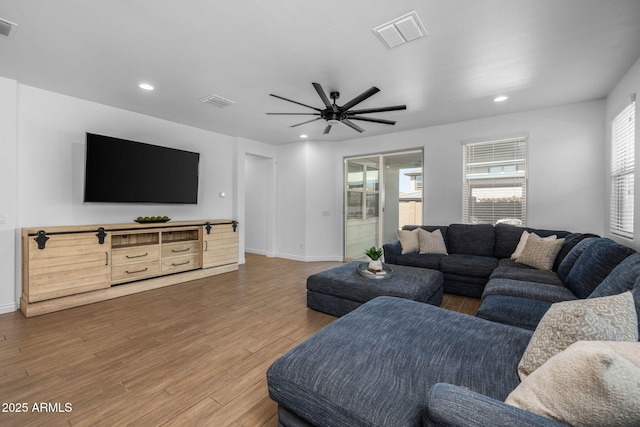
x=431, y=242
x=540, y=253
x=597, y=319
x=591, y=383
x=409, y=241
x=523, y=241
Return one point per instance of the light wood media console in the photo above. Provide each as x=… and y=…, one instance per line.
x=64, y=267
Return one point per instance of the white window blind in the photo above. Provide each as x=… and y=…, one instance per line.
x=623, y=172
x=495, y=182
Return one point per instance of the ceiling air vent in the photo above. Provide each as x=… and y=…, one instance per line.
x=8, y=28
x=217, y=100
x=401, y=30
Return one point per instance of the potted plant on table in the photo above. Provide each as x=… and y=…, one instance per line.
x=374, y=254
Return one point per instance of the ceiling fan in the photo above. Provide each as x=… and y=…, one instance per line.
x=335, y=114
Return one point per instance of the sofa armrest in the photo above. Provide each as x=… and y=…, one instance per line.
x=391, y=251
x=451, y=405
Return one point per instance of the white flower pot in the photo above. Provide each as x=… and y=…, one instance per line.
x=375, y=265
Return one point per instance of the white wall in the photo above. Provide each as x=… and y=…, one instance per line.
x=9, y=292
x=618, y=99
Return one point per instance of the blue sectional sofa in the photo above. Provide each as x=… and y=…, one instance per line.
x=474, y=252
x=395, y=362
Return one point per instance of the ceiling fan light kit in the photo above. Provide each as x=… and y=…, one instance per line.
x=334, y=114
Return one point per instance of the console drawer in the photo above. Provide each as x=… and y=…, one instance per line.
x=181, y=263
x=134, y=271
x=178, y=249
x=134, y=254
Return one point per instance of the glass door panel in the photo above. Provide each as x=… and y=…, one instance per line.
x=362, y=201
x=382, y=193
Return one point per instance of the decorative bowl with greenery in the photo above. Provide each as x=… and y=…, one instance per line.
x=374, y=254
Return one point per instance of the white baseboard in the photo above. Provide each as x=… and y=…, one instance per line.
x=307, y=259
x=9, y=308
x=255, y=251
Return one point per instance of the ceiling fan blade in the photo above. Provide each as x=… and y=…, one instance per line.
x=304, y=123
x=322, y=94
x=358, y=99
x=378, y=110
x=327, y=129
x=352, y=125
x=293, y=114
x=370, y=119
x=295, y=102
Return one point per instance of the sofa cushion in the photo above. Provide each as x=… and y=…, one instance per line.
x=595, y=263
x=589, y=383
x=452, y=405
x=533, y=290
x=471, y=239
x=430, y=261
x=468, y=265
x=540, y=253
x=515, y=311
x=431, y=242
x=467, y=286
x=526, y=274
x=570, y=241
x=376, y=365
x=621, y=279
x=570, y=259
x=409, y=241
x=599, y=319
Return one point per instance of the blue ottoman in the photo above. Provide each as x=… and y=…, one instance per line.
x=342, y=289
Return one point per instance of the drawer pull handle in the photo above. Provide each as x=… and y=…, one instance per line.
x=137, y=271
x=180, y=250
x=179, y=264
x=137, y=256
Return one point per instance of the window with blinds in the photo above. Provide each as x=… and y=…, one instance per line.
x=495, y=182
x=623, y=172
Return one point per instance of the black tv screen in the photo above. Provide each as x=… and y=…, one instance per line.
x=122, y=171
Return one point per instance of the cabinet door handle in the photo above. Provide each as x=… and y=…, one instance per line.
x=206, y=245
x=137, y=256
x=137, y=271
x=180, y=250
x=106, y=258
x=179, y=264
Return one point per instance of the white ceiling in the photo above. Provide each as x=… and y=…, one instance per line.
x=538, y=52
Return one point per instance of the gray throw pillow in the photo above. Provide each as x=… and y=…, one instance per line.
x=540, y=253
x=598, y=319
x=431, y=242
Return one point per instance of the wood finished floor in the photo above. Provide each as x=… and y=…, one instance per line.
x=189, y=354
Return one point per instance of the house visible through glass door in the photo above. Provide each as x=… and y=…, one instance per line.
x=383, y=192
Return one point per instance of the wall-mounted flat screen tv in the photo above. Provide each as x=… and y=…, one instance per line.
x=122, y=171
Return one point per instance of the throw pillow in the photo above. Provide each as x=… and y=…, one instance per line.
x=588, y=384
x=598, y=319
x=431, y=242
x=523, y=241
x=539, y=253
x=409, y=241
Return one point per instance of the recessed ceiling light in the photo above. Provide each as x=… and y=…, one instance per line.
x=500, y=98
x=304, y=136
x=145, y=86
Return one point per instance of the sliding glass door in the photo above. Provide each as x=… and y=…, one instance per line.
x=382, y=192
